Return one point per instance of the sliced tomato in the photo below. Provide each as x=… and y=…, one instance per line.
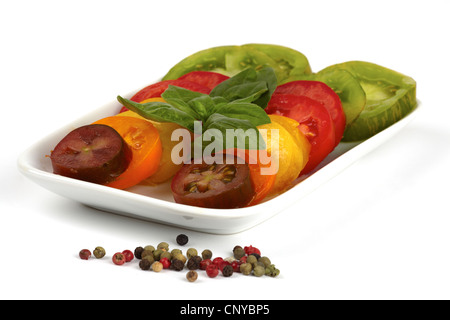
x=321, y=92
x=144, y=142
x=156, y=89
x=208, y=79
x=224, y=185
x=262, y=183
x=314, y=121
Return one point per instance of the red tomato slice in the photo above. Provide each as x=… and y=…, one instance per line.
x=315, y=123
x=319, y=91
x=205, y=78
x=156, y=89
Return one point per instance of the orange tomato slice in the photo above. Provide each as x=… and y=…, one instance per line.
x=145, y=145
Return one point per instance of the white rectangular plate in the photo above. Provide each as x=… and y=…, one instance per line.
x=156, y=203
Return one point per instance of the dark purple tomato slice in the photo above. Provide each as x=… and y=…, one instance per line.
x=223, y=185
x=95, y=153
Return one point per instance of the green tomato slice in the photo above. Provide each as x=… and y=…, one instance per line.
x=289, y=62
x=346, y=86
x=230, y=60
x=390, y=95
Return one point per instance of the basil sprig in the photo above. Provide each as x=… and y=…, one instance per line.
x=237, y=103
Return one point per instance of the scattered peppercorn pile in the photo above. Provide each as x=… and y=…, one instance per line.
x=245, y=260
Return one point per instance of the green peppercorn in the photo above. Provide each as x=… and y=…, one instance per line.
x=149, y=258
x=265, y=261
x=180, y=257
x=157, y=266
x=259, y=271
x=191, y=253
x=175, y=251
x=272, y=271
x=151, y=248
x=99, y=252
x=138, y=252
x=146, y=252
x=191, y=276
x=163, y=246
x=182, y=239
x=177, y=265
x=238, y=252
x=252, y=260
x=206, y=254
x=144, y=264
x=246, y=268
x=157, y=254
x=227, y=271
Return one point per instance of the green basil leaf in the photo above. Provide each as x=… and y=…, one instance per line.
x=244, y=111
x=268, y=75
x=249, y=85
x=234, y=133
x=161, y=112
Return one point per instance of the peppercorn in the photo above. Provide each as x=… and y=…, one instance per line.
x=180, y=257
x=157, y=254
x=206, y=254
x=256, y=255
x=205, y=263
x=157, y=266
x=227, y=271
x=85, y=254
x=151, y=248
x=265, y=261
x=259, y=271
x=238, y=252
x=177, y=265
x=163, y=246
x=212, y=270
x=272, y=271
x=144, y=264
x=138, y=252
x=99, y=252
x=175, y=251
x=150, y=258
x=191, y=253
x=246, y=268
x=182, y=239
x=194, y=263
x=252, y=260
x=165, y=254
x=165, y=262
x=191, y=276
x=146, y=252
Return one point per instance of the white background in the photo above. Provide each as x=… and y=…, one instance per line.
x=379, y=230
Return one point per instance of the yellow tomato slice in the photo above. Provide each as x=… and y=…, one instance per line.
x=145, y=145
x=291, y=150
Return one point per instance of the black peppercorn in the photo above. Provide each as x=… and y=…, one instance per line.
x=182, y=239
x=144, y=264
x=194, y=263
x=138, y=252
x=227, y=271
x=177, y=265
